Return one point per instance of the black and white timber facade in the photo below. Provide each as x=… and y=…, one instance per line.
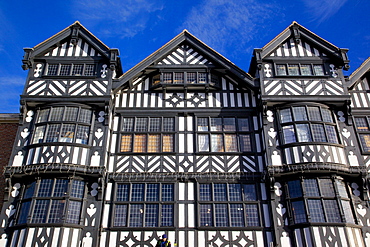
x=188, y=144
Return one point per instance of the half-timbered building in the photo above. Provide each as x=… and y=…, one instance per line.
x=187, y=144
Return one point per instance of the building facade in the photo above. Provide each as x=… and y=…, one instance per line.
x=188, y=144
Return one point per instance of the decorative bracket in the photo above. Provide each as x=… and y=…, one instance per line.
x=74, y=34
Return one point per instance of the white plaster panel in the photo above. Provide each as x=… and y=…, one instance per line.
x=190, y=191
x=181, y=191
x=75, y=237
x=190, y=143
x=181, y=215
x=56, y=233
x=105, y=215
x=191, y=216
x=108, y=192
x=181, y=143
x=65, y=237
x=260, y=239
x=181, y=123
x=112, y=239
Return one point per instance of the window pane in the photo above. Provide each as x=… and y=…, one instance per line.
x=221, y=215
x=30, y=189
x=202, y=77
x=56, y=211
x=85, y=116
x=216, y=124
x=300, y=113
x=38, y=137
x=327, y=188
x=311, y=187
x=203, y=142
x=332, y=134
x=206, y=215
x=306, y=69
x=140, y=143
x=23, y=214
x=293, y=69
x=243, y=124
x=141, y=124
x=281, y=69
x=316, y=211
x=127, y=124
x=52, y=69
x=61, y=188
x=236, y=215
x=126, y=143
x=314, y=113
x=70, y=114
x=235, y=192
x=155, y=124
x=341, y=188
x=77, y=69
x=43, y=115
x=361, y=124
x=45, y=188
x=167, y=192
x=326, y=115
x=231, y=143
x=299, y=214
x=204, y=192
x=154, y=143
x=137, y=192
x=294, y=188
x=168, y=124
x=167, y=215
x=40, y=211
x=151, y=215
x=217, y=144
x=167, y=77
x=285, y=115
x=318, y=133
x=219, y=191
x=319, y=70
x=57, y=114
x=74, y=209
x=53, y=133
x=347, y=212
x=332, y=211
x=77, y=189
x=136, y=215
x=303, y=133
x=120, y=214
x=202, y=124
x=156, y=79
x=82, y=135
x=65, y=69
x=191, y=77
x=152, y=192
x=365, y=142
x=67, y=133
x=229, y=124
x=245, y=143
x=179, y=78
x=122, y=192
x=251, y=212
x=249, y=192
x=289, y=135
x=89, y=70
x=167, y=143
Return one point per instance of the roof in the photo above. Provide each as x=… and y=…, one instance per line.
x=356, y=75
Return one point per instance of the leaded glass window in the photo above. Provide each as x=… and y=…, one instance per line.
x=300, y=69
x=70, y=70
x=363, y=132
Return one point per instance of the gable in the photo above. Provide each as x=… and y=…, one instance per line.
x=184, y=55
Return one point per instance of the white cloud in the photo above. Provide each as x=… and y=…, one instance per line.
x=322, y=10
x=225, y=24
x=116, y=18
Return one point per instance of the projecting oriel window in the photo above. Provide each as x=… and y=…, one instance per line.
x=62, y=124
x=228, y=205
x=307, y=124
x=52, y=201
x=144, y=205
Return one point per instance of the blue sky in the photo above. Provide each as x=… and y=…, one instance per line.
x=139, y=27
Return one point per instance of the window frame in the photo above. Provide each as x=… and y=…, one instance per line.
x=60, y=203
x=241, y=139
x=214, y=202
x=147, y=136
x=64, y=126
x=160, y=203
x=360, y=133
x=86, y=69
x=311, y=66
x=315, y=201
x=292, y=119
